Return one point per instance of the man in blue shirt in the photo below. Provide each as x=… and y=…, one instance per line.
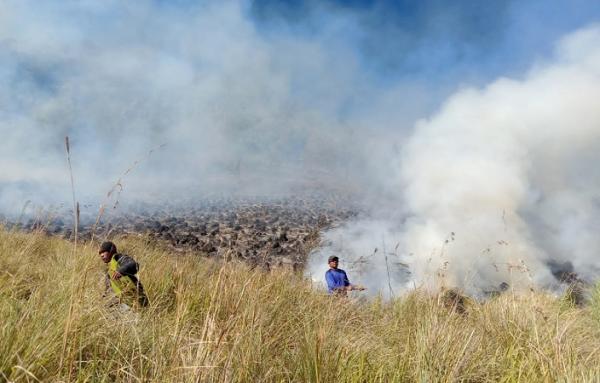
x=337, y=280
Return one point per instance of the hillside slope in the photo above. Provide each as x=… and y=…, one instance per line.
x=211, y=321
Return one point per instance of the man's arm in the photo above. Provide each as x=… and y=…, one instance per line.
x=346, y=280
x=349, y=286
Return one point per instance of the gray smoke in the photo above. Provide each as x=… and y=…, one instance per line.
x=239, y=111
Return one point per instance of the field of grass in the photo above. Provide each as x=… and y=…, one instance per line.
x=223, y=322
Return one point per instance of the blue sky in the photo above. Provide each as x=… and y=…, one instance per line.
x=441, y=40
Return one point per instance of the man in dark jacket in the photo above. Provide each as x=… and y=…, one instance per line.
x=120, y=277
x=337, y=280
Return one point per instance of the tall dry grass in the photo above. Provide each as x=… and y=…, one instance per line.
x=227, y=323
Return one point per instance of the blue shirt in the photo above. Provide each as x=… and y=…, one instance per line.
x=336, y=278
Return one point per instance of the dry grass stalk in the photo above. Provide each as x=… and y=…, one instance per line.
x=117, y=189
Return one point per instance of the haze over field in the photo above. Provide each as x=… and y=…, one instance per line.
x=470, y=135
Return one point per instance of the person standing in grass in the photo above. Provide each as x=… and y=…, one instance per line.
x=337, y=280
x=120, y=278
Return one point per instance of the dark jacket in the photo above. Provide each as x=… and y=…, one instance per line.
x=128, y=289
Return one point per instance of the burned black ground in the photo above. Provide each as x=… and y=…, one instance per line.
x=262, y=231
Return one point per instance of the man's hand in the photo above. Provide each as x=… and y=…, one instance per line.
x=116, y=275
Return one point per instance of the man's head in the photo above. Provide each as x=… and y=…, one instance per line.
x=333, y=262
x=107, y=250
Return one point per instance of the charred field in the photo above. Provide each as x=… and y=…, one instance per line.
x=261, y=231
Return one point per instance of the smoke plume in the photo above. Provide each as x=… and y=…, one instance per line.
x=237, y=110
x=495, y=187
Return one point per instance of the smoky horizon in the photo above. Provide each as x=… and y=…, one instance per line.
x=462, y=137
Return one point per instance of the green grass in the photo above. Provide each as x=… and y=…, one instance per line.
x=223, y=322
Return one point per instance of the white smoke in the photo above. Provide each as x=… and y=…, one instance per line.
x=499, y=183
x=238, y=111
